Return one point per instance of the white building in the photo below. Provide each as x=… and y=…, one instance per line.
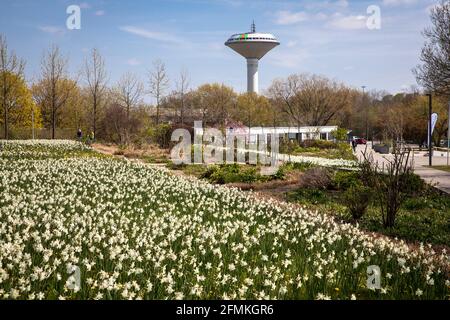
x=292, y=133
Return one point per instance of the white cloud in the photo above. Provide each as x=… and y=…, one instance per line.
x=398, y=2
x=342, y=3
x=348, y=22
x=52, y=29
x=100, y=13
x=289, y=59
x=153, y=35
x=321, y=16
x=291, y=44
x=287, y=17
x=85, y=5
x=133, y=62
x=233, y=3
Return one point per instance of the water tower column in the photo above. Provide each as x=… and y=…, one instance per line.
x=252, y=75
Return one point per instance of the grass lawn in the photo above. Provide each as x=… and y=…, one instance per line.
x=424, y=218
x=443, y=168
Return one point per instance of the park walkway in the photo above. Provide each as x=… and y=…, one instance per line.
x=439, y=178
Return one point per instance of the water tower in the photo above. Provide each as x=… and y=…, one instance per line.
x=252, y=46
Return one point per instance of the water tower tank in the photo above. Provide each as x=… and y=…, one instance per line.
x=252, y=46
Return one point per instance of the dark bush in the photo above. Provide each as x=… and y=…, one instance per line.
x=357, y=199
x=414, y=185
x=319, y=178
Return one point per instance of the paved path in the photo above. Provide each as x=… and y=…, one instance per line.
x=433, y=176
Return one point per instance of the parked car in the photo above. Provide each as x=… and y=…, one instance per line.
x=360, y=140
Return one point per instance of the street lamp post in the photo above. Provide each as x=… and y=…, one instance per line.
x=430, y=148
x=448, y=134
x=367, y=115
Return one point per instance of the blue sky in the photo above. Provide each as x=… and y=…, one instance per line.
x=327, y=37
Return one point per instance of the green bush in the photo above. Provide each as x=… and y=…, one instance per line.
x=416, y=203
x=340, y=134
x=160, y=134
x=343, y=180
x=344, y=151
x=414, y=185
x=280, y=174
x=299, y=149
x=288, y=146
x=234, y=173
x=308, y=196
x=319, y=144
x=357, y=199
x=296, y=166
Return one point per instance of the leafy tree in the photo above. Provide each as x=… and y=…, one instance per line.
x=10, y=64
x=214, y=102
x=58, y=100
x=252, y=110
x=340, y=134
x=21, y=107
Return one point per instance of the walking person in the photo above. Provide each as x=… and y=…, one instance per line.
x=79, y=135
x=354, y=145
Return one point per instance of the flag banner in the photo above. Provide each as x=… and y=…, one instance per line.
x=434, y=118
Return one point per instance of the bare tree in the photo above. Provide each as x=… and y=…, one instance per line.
x=9, y=64
x=159, y=84
x=182, y=88
x=96, y=79
x=391, y=186
x=55, y=92
x=283, y=93
x=129, y=92
x=434, y=73
x=310, y=99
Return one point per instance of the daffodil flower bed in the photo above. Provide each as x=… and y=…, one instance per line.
x=137, y=232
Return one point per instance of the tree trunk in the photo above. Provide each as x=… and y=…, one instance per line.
x=6, y=121
x=157, y=111
x=95, y=117
x=6, y=108
x=53, y=123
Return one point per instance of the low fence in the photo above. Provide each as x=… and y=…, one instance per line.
x=41, y=133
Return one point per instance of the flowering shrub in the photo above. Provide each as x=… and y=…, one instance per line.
x=324, y=162
x=137, y=232
x=42, y=149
